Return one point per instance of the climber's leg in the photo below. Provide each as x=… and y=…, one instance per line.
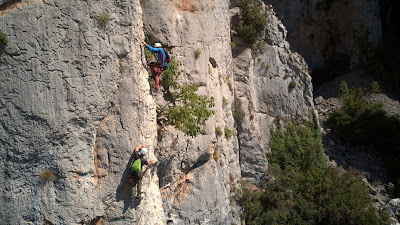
x=157, y=78
x=134, y=183
x=152, y=66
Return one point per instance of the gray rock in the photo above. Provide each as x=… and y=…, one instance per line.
x=68, y=107
x=394, y=207
x=318, y=100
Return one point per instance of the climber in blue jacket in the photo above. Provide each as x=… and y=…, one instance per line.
x=161, y=64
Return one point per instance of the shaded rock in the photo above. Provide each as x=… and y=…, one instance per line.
x=328, y=25
x=319, y=100
x=394, y=208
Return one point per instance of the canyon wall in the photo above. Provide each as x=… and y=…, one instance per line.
x=76, y=100
x=326, y=32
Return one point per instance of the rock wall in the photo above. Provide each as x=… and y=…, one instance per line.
x=76, y=100
x=322, y=30
x=197, y=186
x=272, y=83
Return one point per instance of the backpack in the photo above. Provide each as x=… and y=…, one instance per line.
x=137, y=165
x=167, y=56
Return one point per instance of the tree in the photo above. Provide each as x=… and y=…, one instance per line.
x=186, y=110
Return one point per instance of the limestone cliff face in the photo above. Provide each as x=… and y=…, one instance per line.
x=75, y=99
x=195, y=187
x=322, y=31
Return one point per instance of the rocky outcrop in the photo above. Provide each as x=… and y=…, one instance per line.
x=394, y=209
x=76, y=101
x=322, y=31
x=271, y=83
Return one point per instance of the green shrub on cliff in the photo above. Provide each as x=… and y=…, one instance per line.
x=47, y=175
x=197, y=53
x=253, y=22
x=104, y=18
x=238, y=113
x=3, y=39
x=228, y=132
x=185, y=109
x=170, y=76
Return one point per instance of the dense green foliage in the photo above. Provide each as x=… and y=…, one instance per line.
x=325, y=197
x=3, y=39
x=298, y=148
x=253, y=20
x=304, y=190
x=360, y=122
x=185, y=109
x=170, y=76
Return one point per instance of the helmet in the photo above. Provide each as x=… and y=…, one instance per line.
x=143, y=151
x=158, y=45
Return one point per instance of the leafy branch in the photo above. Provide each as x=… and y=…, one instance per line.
x=186, y=110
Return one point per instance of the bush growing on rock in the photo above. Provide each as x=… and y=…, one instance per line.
x=185, y=109
x=360, y=122
x=292, y=84
x=47, y=175
x=218, y=131
x=238, y=113
x=304, y=190
x=228, y=132
x=104, y=18
x=3, y=39
x=170, y=76
x=253, y=22
x=197, y=53
x=216, y=154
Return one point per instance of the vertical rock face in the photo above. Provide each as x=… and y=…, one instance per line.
x=270, y=83
x=198, y=176
x=322, y=30
x=75, y=100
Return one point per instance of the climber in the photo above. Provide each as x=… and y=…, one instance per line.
x=161, y=64
x=137, y=172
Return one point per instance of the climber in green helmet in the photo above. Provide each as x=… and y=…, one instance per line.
x=137, y=172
